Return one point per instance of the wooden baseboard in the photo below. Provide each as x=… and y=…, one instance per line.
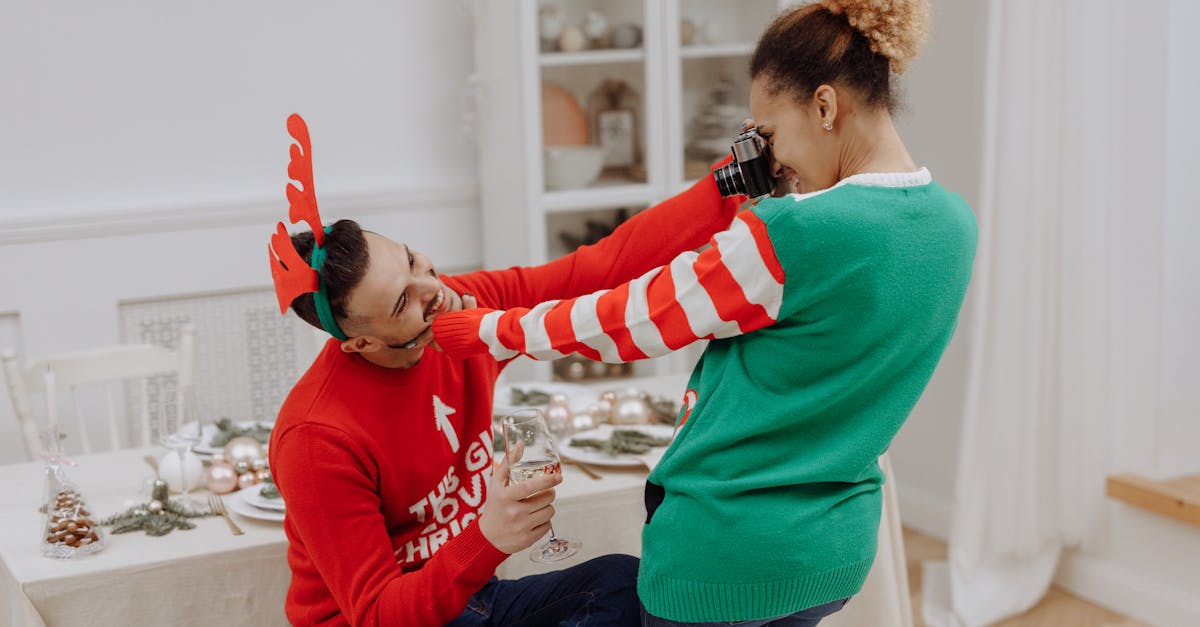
x=1174, y=498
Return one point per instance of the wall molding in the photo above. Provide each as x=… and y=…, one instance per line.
x=1132, y=594
x=1100, y=581
x=221, y=215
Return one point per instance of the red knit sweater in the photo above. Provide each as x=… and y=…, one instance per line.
x=384, y=470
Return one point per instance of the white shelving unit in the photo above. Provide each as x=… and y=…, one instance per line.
x=521, y=219
x=591, y=57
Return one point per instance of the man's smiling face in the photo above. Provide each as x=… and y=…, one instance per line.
x=399, y=296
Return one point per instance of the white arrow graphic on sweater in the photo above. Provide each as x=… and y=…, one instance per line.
x=441, y=412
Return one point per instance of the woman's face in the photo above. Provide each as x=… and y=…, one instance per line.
x=805, y=154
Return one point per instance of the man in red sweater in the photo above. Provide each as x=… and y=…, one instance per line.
x=383, y=449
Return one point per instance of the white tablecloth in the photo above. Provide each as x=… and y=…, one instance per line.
x=206, y=576
x=202, y=576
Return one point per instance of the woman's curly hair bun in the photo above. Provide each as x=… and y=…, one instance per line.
x=896, y=28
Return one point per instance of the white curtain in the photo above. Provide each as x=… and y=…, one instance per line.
x=1065, y=297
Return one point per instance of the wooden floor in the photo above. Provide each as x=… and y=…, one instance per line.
x=1057, y=609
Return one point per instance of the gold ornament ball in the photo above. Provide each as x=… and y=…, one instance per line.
x=246, y=480
x=244, y=448
x=220, y=478
x=262, y=475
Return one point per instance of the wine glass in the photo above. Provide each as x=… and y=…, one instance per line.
x=185, y=436
x=531, y=452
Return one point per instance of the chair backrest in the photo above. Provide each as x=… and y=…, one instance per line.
x=108, y=368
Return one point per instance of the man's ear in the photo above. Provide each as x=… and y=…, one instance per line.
x=363, y=344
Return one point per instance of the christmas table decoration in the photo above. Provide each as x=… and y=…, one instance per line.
x=69, y=529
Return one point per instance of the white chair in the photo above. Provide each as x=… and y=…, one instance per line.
x=104, y=367
x=885, y=600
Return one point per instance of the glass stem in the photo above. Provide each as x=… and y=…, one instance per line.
x=183, y=482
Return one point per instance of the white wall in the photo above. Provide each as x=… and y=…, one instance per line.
x=1180, y=433
x=143, y=150
x=942, y=127
x=136, y=104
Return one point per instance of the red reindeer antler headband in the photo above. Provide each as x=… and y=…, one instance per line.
x=292, y=276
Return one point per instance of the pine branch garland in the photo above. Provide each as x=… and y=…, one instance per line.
x=623, y=441
x=140, y=518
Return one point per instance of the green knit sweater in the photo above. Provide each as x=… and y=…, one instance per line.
x=770, y=493
x=830, y=312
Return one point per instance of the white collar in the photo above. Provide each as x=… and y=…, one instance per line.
x=876, y=179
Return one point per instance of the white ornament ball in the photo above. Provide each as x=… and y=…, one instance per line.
x=154, y=507
x=631, y=410
x=601, y=410
x=558, y=419
x=711, y=32
x=572, y=40
x=550, y=23
x=583, y=421
x=168, y=470
x=597, y=28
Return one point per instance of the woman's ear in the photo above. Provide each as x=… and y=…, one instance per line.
x=826, y=100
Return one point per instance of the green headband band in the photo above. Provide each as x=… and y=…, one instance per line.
x=320, y=298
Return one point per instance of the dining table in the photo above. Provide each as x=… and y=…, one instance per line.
x=209, y=576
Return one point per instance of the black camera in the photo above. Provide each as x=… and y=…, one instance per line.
x=750, y=171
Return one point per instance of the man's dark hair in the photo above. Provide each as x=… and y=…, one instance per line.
x=346, y=262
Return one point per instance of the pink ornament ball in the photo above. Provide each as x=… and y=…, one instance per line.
x=220, y=478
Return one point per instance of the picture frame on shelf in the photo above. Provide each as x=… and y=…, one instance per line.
x=617, y=133
x=615, y=108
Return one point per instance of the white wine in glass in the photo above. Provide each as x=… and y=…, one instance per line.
x=531, y=452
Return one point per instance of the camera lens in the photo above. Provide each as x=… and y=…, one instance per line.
x=729, y=180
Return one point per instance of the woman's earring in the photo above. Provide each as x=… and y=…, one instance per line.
x=828, y=126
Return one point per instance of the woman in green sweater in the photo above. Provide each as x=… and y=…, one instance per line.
x=828, y=310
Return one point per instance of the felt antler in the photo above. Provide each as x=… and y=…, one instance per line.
x=291, y=274
x=303, y=203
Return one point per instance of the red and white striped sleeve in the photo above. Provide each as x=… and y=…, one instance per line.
x=733, y=287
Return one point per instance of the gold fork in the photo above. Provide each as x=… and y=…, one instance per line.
x=218, y=507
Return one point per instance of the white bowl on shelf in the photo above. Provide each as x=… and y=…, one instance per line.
x=572, y=167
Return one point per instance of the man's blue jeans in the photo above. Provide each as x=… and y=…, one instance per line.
x=803, y=618
x=597, y=593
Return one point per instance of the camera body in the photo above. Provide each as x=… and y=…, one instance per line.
x=750, y=171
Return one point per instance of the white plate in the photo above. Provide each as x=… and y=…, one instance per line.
x=237, y=504
x=210, y=430
x=254, y=498
x=600, y=458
